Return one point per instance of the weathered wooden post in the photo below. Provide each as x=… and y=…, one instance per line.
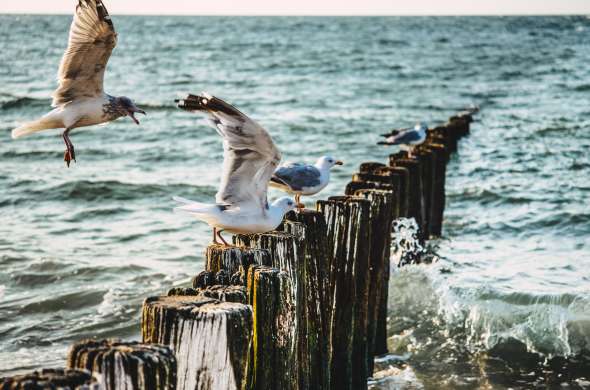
x=349, y=228
x=381, y=219
x=273, y=353
x=401, y=184
x=230, y=259
x=126, y=365
x=416, y=201
x=370, y=167
x=211, y=339
x=287, y=254
x=52, y=379
x=426, y=158
x=309, y=226
x=220, y=292
x=438, y=188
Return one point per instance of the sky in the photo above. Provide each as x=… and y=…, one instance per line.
x=310, y=7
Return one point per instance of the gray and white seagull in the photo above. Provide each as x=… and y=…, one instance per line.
x=249, y=160
x=407, y=138
x=80, y=100
x=304, y=179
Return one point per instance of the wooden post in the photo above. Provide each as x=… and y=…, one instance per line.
x=349, y=228
x=438, y=190
x=273, y=353
x=287, y=254
x=401, y=182
x=370, y=167
x=230, y=259
x=125, y=365
x=381, y=224
x=221, y=293
x=211, y=339
x=52, y=379
x=416, y=201
x=309, y=226
x=426, y=157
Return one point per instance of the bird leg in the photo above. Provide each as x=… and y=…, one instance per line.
x=300, y=205
x=215, y=236
x=221, y=237
x=69, y=154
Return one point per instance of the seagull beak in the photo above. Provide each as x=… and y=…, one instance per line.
x=131, y=114
x=339, y=162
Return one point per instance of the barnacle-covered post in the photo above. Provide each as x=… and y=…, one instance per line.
x=287, y=253
x=220, y=292
x=348, y=221
x=128, y=365
x=309, y=227
x=210, y=339
x=52, y=379
x=271, y=364
x=230, y=259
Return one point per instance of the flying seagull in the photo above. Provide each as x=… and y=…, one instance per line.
x=249, y=159
x=304, y=179
x=80, y=100
x=407, y=138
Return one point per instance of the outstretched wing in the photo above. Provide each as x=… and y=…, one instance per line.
x=250, y=156
x=297, y=176
x=92, y=40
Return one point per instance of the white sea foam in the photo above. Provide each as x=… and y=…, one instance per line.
x=484, y=318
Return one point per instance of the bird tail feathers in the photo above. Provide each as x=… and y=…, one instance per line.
x=33, y=127
x=192, y=207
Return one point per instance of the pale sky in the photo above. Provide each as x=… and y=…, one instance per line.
x=310, y=7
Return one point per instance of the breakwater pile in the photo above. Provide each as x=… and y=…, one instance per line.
x=303, y=307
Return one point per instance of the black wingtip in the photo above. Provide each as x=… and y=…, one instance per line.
x=192, y=103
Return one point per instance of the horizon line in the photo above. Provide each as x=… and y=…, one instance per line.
x=310, y=15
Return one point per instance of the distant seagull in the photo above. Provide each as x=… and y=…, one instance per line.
x=407, y=138
x=249, y=159
x=304, y=179
x=79, y=100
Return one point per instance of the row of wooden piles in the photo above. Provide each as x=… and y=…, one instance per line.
x=303, y=307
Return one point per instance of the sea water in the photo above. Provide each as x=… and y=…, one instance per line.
x=80, y=248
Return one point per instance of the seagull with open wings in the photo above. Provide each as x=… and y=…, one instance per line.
x=80, y=100
x=250, y=158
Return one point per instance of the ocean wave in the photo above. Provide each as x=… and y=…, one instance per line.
x=582, y=88
x=18, y=102
x=67, y=301
x=486, y=319
x=90, y=191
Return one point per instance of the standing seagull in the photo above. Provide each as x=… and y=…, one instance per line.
x=304, y=179
x=79, y=100
x=249, y=160
x=407, y=138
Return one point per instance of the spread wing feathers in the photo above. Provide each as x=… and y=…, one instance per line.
x=92, y=40
x=250, y=156
x=404, y=137
x=297, y=176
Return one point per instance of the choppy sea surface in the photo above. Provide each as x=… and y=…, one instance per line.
x=507, y=305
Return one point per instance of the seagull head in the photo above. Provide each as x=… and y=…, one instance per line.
x=421, y=127
x=327, y=162
x=284, y=204
x=128, y=108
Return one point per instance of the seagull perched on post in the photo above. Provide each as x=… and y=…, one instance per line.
x=408, y=139
x=79, y=100
x=249, y=159
x=304, y=179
